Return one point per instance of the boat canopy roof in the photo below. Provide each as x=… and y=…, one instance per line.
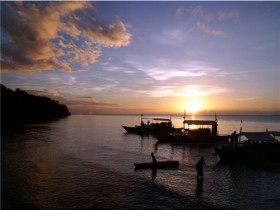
x=258, y=136
x=275, y=133
x=200, y=122
x=158, y=119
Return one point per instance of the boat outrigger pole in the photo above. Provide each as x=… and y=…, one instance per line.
x=240, y=131
x=184, y=118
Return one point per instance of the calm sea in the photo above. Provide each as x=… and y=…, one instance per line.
x=86, y=162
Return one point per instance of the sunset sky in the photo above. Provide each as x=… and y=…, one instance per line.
x=151, y=57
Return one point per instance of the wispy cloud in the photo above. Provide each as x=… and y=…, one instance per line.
x=89, y=103
x=166, y=73
x=195, y=11
x=166, y=70
x=251, y=98
x=88, y=106
x=206, y=29
x=47, y=36
x=184, y=91
x=223, y=15
x=203, y=14
x=201, y=17
x=180, y=12
x=45, y=92
x=51, y=93
x=192, y=11
x=83, y=104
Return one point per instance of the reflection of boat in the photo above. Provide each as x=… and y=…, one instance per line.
x=158, y=125
x=198, y=132
x=160, y=164
x=260, y=148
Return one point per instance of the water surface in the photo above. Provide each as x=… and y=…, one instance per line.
x=86, y=162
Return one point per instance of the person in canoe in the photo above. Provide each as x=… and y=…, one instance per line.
x=199, y=168
x=154, y=164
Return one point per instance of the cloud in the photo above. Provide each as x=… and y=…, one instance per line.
x=81, y=103
x=222, y=15
x=53, y=35
x=113, y=35
x=200, y=15
x=184, y=91
x=199, y=12
x=206, y=29
x=200, y=90
x=89, y=106
x=167, y=70
x=180, y=12
x=166, y=74
x=85, y=104
x=195, y=11
x=50, y=93
x=45, y=92
x=251, y=98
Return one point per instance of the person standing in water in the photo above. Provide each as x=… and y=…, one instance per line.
x=199, y=168
x=154, y=164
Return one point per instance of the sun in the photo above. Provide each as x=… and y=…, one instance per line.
x=193, y=106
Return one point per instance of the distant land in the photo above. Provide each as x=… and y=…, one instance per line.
x=21, y=107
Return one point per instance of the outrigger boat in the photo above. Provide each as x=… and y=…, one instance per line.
x=197, y=132
x=262, y=148
x=157, y=125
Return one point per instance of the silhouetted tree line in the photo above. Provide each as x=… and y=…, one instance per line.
x=20, y=107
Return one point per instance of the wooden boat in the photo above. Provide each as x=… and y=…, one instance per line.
x=260, y=148
x=204, y=132
x=160, y=164
x=157, y=125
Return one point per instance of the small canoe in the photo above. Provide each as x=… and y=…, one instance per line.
x=160, y=164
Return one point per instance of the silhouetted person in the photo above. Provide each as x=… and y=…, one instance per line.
x=233, y=138
x=199, y=168
x=236, y=138
x=172, y=131
x=199, y=187
x=169, y=124
x=154, y=164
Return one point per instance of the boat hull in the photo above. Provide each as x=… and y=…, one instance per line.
x=192, y=138
x=264, y=154
x=230, y=154
x=160, y=165
x=150, y=130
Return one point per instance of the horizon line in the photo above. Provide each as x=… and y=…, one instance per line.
x=174, y=114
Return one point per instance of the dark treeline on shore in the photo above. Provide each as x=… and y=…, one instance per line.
x=20, y=107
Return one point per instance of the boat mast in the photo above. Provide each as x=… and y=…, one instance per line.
x=215, y=127
x=184, y=118
x=240, y=131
